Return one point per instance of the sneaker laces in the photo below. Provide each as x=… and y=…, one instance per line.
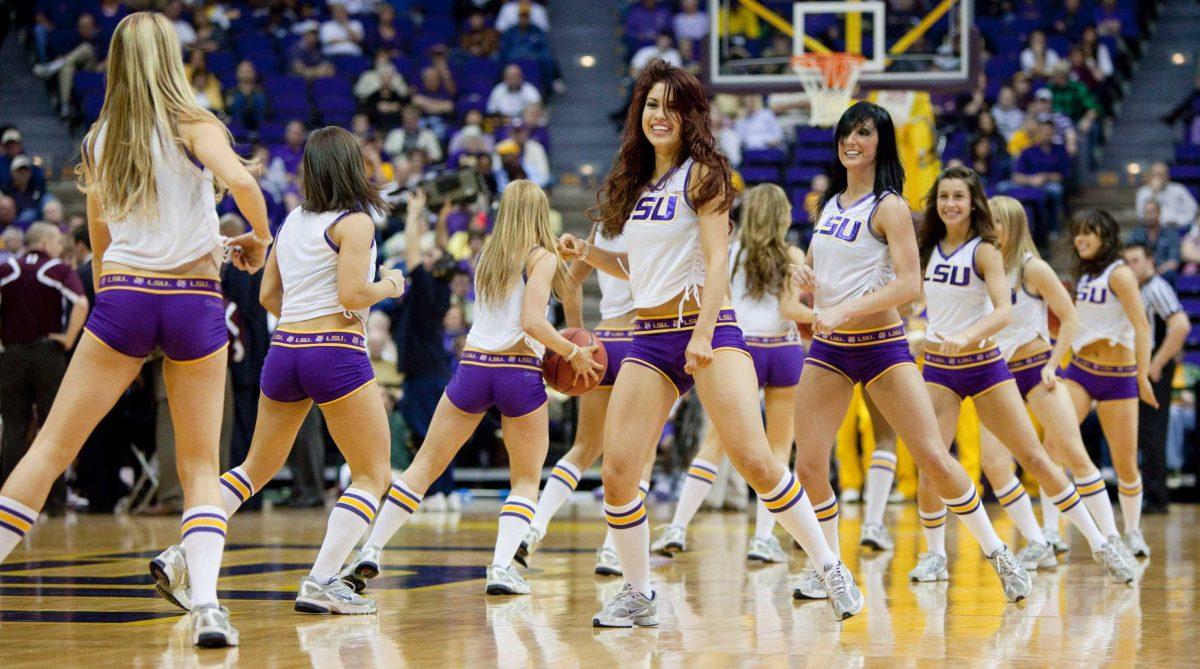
x=835, y=582
x=1004, y=562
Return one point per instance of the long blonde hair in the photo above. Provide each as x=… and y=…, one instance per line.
x=522, y=224
x=147, y=96
x=1009, y=215
x=766, y=215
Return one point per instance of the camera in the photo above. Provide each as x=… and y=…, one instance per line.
x=458, y=186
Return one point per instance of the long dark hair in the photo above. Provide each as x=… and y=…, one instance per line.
x=1106, y=228
x=634, y=165
x=889, y=173
x=933, y=229
x=334, y=177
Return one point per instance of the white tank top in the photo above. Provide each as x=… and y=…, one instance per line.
x=615, y=297
x=1101, y=316
x=183, y=228
x=497, y=327
x=663, y=237
x=849, y=260
x=308, y=261
x=1030, y=318
x=757, y=318
x=955, y=293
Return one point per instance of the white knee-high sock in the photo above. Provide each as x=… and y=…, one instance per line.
x=15, y=520
x=515, y=517
x=1015, y=500
x=933, y=525
x=1130, y=494
x=564, y=478
x=795, y=513
x=827, y=514
x=1050, y=516
x=630, y=532
x=400, y=504
x=351, y=516
x=1071, y=505
x=880, y=475
x=764, y=521
x=203, y=529
x=1095, y=497
x=236, y=488
x=608, y=540
x=699, y=480
x=969, y=509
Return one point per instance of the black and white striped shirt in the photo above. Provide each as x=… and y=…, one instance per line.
x=1161, y=303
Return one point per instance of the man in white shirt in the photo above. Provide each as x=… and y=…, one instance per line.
x=758, y=128
x=511, y=96
x=663, y=48
x=341, y=35
x=410, y=135
x=511, y=12
x=185, y=31
x=1177, y=206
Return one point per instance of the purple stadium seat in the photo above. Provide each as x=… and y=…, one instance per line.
x=1193, y=338
x=467, y=101
x=1185, y=173
x=1187, y=284
x=813, y=156
x=223, y=65
x=800, y=175
x=760, y=174
x=814, y=137
x=1186, y=154
x=1191, y=306
x=336, y=110
x=350, y=66
x=271, y=132
x=333, y=87
x=763, y=157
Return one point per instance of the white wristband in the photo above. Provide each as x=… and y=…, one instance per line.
x=395, y=285
x=574, y=352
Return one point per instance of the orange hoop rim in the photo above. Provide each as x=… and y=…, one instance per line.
x=836, y=66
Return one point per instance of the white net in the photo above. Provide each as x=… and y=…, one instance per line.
x=829, y=80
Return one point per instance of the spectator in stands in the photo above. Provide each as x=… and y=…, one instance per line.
x=1045, y=166
x=480, y=39
x=509, y=166
x=207, y=90
x=663, y=48
x=1175, y=201
x=1037, y=59
x=991, y=161
x=1161, y=242
x=1112, y=21
x=729, y=143
x=1064, y=130
x=386, y=36
x=86, y=54
x=510, y=15
x=26, y=197
x=526, y=41
x=1006, y=113
x=985, y=128
x=209, y=36
x=183, y=28
x=1073, y=99
x=52, y=213
x=246, y=103
x=645, y=21
x=533, y=154
x=306, y=57
x=1022, y=85
x=691, y=27
x=291, y=153
x=758, y=128
x=1187, y=112
x=13, y=147
x=385, y=105
x=472, y=127
x=1070, y=21
x=369, y=82
x=341, y=35
x=411, y=135
x=1189, y=251
x=780, y=49
x=816, y=190
x=12, y=240
x=511, y=96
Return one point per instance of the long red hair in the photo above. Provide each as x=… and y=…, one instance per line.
x=634, y=165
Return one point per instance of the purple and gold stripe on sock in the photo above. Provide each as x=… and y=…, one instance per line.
x=358, y=505
x=966, y=507
x=643, y=490
x=517, y=509
x=933, y=522
x=14, y=521
x=624, y=520
x=203, y=522
x=564, y=476
x=237, y=484
x=888, y=464
x=1068, y=500
x=1089, y=488
x=827, y=511
x=792, y=493
x=702, y=473
x=403, y=497
x=1131, y=490
x=1014, y=492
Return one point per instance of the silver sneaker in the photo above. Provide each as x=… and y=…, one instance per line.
x=1013, y=577
x=627, y=609
x=1056, y=540
x=1137, y=544
x=671, y=540
x=171, y=579
x=608, y=563
x=505, y=581
x=810, y=585
x=876, y=536
x=930, y=567
x=766, y=550
x=367, y=564
x=1119, y=544
x=1037, y=556
x=337, y=596
x=1119, y=566
x=844, y=596
x=211, y=627
x=528, y=545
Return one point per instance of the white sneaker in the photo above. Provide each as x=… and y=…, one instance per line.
x=435, y=503
x=366, y=565
x=337, y=596
x=850, y=496
x=1013, y=578
x=1037, y=556
x=930, y=567
x=1056, y=540
x=810, y=585
x=1137, y=543
x=1119, y=566
x=875, y=535
x=766, y=550
x=627, y=609
x=454, y=502
x=211, y=627
x=672, y=539
x=608, y=563
x=528, y=545
x=171, y=580
x=505, y=581
x=844, y=595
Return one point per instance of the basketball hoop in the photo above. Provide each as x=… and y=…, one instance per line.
x=829, y=80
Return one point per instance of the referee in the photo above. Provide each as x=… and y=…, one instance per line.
x=42, y=310
x=1169, y=327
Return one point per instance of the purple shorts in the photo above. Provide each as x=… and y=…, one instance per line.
x=778, y=360
x=660, y=343
x=967, y=375
x=616, y=345
x=137, y=313
x=511, y=383
x=322, y=366
x=1028, y=371
x=862, y=356
x=1104, y=383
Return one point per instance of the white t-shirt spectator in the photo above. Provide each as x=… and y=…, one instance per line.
x=1008, y=121
x=185, y=31
x=535, y=161
x=648, y=54
x=396, y=141
x=512, y=103
x=691, y=26
x=336, y=38
x=730, y=145
x=356, y=6
x=759, y=129
x=511, y=11
x=1028, y=59
x=1177, y=207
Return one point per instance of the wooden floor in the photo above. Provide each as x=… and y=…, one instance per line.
x=77, y=594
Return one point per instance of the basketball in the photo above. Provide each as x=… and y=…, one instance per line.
x=558, y=372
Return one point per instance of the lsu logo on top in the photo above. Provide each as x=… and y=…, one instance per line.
x=655, y=208
x=1091, y=293
x=840, y=227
